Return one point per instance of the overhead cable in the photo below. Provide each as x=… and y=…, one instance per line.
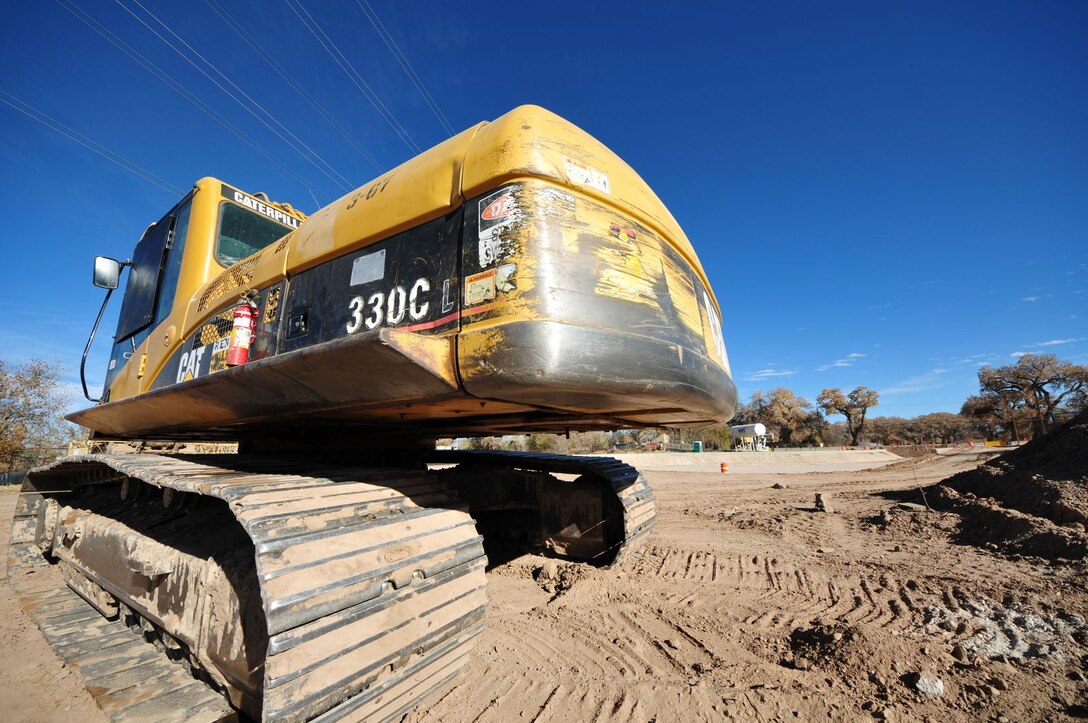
x=169, y=81
x=290, y=80
x=353, y=74
x=407, y=66
x=294, y=142
x=93, y=146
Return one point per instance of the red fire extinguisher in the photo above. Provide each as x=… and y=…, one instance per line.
x=241, y=334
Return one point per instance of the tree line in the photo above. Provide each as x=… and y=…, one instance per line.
x=1014, y=402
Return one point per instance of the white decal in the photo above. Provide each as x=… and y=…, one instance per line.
x=355, y=307
x=558, y=203
x=715, y=327
x=390, y=308
x=376, y=300
x=447, y=302
x=584, y=175
x=415, y=310
x=265, y=210
x=398, y=301
x=189, y=366
x=368, y=268
x=497, y=211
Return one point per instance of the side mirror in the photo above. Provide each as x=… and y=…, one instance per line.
x=107, y=272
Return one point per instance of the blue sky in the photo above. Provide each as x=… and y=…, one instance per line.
x=881, y=194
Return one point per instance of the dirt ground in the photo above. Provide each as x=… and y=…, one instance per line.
x=35, y=685
x=747, y=603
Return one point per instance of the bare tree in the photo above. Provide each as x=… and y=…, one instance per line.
x=853, y=406
x=30, y=408
x=789, y=417
x=1042, y=381
x=998, y=414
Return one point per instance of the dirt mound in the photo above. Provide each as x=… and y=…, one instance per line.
x=916, y=462
x=819, y=644
x=1032, y=501
x=912, y=451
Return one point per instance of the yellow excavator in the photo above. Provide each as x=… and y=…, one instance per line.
x=516, y=278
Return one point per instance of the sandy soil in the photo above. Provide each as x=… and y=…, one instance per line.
x=35, y=685
x=747, y=603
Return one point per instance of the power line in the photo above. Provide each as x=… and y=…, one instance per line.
x=331, y=173
x=110, y=155
x=298, y=87
x=169, y=81
x=345, y=65
x=407, y=66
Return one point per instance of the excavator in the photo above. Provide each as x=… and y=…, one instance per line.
x=327, y=559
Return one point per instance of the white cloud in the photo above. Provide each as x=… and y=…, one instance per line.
x=920, y=383
x=1019, y=354
x=1057, y=342
x=769, y=373
x=1033, y=299
x=846, y=361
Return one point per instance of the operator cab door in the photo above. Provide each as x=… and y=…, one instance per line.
x=152, y=281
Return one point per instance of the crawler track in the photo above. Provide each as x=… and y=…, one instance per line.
x=371, y=582
x=622, y=480
x=368, y=582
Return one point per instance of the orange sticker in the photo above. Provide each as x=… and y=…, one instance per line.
x=480, y=287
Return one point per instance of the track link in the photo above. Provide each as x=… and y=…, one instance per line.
x=371, y=580
x=624, y=481
x=371, y=584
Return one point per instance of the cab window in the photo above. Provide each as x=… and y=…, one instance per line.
x=173, y=262
x=152, y=284
x=242, y=233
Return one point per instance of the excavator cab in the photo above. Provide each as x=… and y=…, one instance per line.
x=212, y=228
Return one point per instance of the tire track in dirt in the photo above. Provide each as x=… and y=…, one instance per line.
x=768, y=612
x=781, y=594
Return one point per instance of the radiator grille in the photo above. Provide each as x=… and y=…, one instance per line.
x=236, y=277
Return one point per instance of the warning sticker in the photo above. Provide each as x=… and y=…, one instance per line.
x=586, y=175
x=497, y=211
x=480, y=287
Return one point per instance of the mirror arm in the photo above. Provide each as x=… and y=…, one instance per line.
x=87, y=349
x=90, y=340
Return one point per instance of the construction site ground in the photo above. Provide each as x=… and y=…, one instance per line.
x=748, y=602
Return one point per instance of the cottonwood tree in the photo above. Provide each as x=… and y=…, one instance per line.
x=940, y=427
x=1002, y=411
x=790, y=418
x=892, y=430
x=853, y=406
x=30, y=408
x=937, y=427
x=1042, y=381
x=712, y=436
